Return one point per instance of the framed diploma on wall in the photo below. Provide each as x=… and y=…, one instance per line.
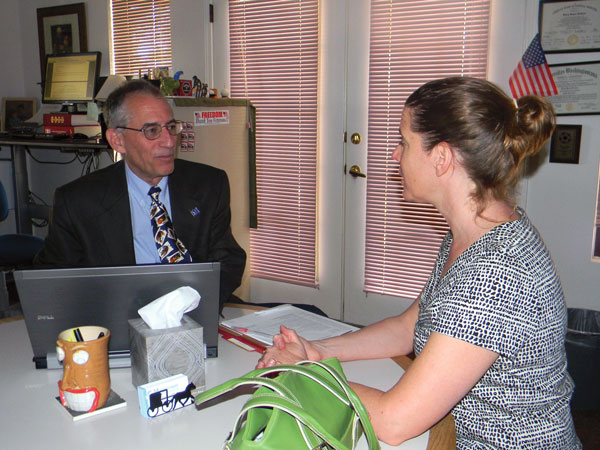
x=569, y=26
x=578, y=88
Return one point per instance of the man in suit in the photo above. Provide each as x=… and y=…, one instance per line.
x=103, y=219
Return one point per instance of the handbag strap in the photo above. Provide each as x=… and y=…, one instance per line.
x=349, y=397
x=357, y=404
x=300, y=369
x=237, y=382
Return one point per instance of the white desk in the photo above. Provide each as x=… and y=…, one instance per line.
x=32, y=419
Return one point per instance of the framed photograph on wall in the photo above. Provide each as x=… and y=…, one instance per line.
x=569, y=26
x=15, y=111
x=61, y=29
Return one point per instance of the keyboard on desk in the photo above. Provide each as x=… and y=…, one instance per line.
x=51, y=137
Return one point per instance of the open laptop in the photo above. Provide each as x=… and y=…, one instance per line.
x=54, y=300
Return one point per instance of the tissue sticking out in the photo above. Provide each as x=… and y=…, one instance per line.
x=167, y=311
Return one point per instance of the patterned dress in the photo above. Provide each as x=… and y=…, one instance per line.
x=503, y=294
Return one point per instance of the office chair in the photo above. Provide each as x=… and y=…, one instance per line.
x=16, y=251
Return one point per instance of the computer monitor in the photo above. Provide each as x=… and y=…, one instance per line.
x=70, y=79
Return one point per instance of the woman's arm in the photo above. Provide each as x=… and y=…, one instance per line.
x=443, y=373
x=388, y=338
x=385, y=339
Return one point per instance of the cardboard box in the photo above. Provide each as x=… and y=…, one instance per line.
x=158, y=354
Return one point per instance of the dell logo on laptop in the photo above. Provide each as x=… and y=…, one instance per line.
x=45, y=317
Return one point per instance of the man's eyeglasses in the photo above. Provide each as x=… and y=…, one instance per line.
x=153, y=130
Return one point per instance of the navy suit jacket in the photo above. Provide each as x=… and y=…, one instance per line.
x=91, y=221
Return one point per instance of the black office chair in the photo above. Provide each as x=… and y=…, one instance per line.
x=16, y=251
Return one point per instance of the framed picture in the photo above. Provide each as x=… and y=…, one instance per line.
x=61, y=29
x=565, y=144
x=569, y=26
x=15, y=111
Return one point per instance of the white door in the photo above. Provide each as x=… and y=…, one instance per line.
x=343, y=112
x=359, y=307
x=341, y=197
x=343, y=106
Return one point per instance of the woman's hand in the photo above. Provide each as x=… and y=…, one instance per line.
x=289, y=348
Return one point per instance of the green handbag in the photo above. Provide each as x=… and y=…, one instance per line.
x=304, y=405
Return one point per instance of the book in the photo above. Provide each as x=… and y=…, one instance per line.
x=67, y=120
x=113, y=402
x=88, y=130
x=256, y=330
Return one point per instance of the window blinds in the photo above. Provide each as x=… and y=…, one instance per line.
x=412, y=42
x=274, y=62
x=141, y=35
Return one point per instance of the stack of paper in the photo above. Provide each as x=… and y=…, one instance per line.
x=256, y=330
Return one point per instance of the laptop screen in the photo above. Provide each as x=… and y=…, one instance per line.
x=54, y=300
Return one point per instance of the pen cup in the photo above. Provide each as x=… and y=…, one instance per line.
x=86, y=380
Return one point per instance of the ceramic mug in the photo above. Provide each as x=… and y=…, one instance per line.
x=86, y=380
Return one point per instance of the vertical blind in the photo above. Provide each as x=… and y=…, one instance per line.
x=412, y=42
x=274, y=63
x=141, y=35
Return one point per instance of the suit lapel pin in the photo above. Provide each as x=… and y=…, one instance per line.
x=194, y=212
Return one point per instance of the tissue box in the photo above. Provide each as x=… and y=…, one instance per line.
x=157, y=354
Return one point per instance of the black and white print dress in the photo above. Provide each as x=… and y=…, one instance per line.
x=503, y=294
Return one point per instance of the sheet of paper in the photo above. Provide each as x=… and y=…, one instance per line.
x=263, y=325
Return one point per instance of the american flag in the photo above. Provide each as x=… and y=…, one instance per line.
x=532, y=75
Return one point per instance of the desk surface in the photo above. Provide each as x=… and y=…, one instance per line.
x=32, y=417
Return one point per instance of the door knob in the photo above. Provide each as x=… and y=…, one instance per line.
x=355, y=172
x=355, y=138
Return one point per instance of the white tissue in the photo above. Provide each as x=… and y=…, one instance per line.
x=167, y=311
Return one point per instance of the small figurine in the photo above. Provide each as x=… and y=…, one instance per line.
x=168, y=85
x=204, y=90
x=197, y=86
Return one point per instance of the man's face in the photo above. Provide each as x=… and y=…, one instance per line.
x=148, y=159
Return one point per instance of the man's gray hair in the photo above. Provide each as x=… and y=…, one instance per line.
x=115, y=111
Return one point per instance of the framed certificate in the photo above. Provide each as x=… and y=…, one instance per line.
x=570, y=26
x=578, y=88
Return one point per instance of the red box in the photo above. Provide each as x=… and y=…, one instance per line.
x=185, y=88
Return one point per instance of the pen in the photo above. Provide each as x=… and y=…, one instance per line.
x=255, y=334
x=78, y=336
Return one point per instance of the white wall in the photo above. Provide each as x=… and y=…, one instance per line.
x=560, y=198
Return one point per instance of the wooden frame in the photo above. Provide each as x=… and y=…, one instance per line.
x=61, y=29
x=16, y=110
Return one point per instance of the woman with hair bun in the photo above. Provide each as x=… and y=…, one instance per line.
x=488, y=328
